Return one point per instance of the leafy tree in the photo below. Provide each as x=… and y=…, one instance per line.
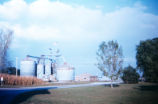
x=130, y=75
x=110, y=59
x=5, y=41
x=147, y=59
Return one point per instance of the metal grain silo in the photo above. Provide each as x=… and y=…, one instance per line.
x=48, y=68
x=47, y=71
x=40, y=71
x=65, y=74
x=27, y=67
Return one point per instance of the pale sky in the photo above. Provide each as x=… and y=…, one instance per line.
x=78, y=27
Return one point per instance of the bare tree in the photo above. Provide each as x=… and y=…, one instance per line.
x=5, y=41
x=110, y=60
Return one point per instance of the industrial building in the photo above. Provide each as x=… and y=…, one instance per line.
x=46, y=68
x=86, y=77
x=83, y=77
x=94, y=78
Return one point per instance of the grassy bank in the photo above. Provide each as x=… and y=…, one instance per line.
x=124, y=94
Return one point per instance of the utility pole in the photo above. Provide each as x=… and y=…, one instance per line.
x=16, y=65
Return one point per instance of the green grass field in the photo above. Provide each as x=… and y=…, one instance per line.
x=143, y=93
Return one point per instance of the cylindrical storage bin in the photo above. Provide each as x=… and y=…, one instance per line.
x=27, y=68
x=64, y=74
x=48, y=69
x=40, y=71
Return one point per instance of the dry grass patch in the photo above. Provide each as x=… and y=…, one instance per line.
x=20, y=81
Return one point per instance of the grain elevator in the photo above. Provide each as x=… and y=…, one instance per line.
x=46, y=68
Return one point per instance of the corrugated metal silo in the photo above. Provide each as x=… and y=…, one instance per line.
x=48, y=68
x=53, y=68
x=27, y=67
x=65, y=74
x=40, y=71
x=47, y=71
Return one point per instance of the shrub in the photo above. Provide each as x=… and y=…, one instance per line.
x=18, y=80
x=130, y=75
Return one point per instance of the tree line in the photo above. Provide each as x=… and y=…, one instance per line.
x=147, y=59
x=110, y=61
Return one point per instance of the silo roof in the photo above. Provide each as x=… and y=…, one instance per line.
x=27, y=59
x=66, y=66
